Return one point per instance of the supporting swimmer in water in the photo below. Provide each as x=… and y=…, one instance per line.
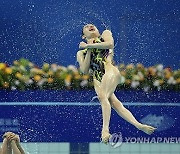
x=96, y=58
x=11, y=144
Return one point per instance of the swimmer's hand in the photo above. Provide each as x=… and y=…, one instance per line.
x=82, y=45
x=8, y=135
x=15, y=138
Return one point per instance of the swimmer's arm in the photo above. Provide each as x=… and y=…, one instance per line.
x=15, y=148
x=20, y=147
x=84, y=62
x=107, y=44
x=16, y=139
x=6, y=147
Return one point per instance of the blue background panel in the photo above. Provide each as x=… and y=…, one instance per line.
x=86, y=96
x=82, y=122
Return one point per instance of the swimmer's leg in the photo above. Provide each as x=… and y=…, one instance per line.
x=104, y=90
x=106, y=111
x=127, y=115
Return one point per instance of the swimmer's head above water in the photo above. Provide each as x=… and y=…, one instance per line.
x=90, y=31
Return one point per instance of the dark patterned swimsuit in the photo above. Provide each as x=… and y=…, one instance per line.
x=98, y=58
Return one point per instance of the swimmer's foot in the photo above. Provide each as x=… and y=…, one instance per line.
x=147, y=129
x=105, y=136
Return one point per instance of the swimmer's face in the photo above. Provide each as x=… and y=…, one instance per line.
x=90, y=31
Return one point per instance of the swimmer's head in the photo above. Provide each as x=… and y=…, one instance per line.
x=90, y=31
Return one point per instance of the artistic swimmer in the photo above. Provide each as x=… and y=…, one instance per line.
x=96, y=58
